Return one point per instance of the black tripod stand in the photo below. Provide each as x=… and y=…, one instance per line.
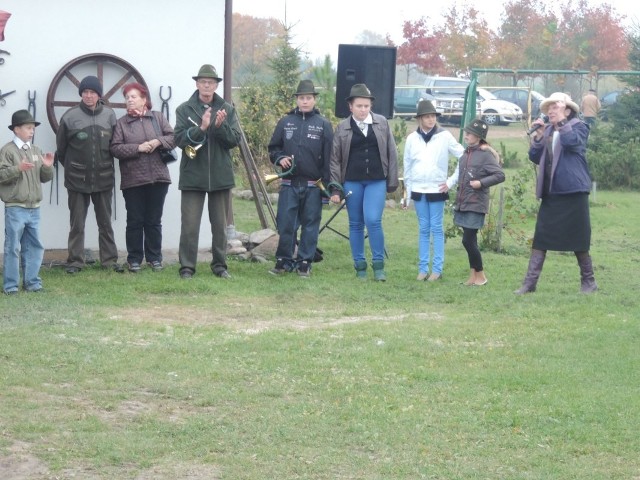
x=327, y=224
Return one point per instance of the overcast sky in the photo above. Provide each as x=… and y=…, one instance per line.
x=319, y=27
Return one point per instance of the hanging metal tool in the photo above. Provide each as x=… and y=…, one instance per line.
x=32, y=103
x=3, y=102
x=56, y=166
x=32, y=108
x=165, y=103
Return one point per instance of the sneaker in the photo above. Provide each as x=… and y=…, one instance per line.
x=156, y=266
x=35, y=290
x=134, y=267
x=280, y=268
x=304, y=269
x=72, y=270
x=224, y=274
x=11, y=292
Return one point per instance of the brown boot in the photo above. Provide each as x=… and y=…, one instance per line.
x=587, y=280
x=533, y=272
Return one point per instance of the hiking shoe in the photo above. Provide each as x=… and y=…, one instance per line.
x=186, y=274
x=116, y=267
x=304, y=269
x=281, y=267
x=35, y=290
x=134, y=267
x=156, y=266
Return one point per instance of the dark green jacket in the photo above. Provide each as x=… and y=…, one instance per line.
x=212, y=168
x=82, y=141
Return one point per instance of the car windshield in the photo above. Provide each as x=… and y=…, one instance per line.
x=450, y=87
x=536, y=95
x=486, y=94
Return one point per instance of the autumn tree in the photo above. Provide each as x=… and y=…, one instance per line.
x=420, y=48
x=469, y=41
x=254, y=40
x=593, y=37
x=525, y=36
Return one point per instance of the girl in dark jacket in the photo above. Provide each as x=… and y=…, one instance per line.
x=478, y=169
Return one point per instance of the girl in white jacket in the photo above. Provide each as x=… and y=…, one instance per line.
x=427, y=183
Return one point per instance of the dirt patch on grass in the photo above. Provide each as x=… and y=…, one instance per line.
x=19, y=464
x=235, y=318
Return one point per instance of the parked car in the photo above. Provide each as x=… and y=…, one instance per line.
x=520, y=96
x=406, y=98
x=607, y=101
x=447, y=94
x=496, y=111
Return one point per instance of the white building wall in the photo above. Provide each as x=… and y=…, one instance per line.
x=166, y=41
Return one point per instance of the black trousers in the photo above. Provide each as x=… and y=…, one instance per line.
x=145, y=205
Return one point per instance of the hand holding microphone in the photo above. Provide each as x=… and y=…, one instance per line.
x=534, y=127
x=537, y=124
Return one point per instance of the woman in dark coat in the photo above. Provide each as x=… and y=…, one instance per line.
x=144, y=177
x=563, y=186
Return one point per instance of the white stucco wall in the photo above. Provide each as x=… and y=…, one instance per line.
x=166, y=41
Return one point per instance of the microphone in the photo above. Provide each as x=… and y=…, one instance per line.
x=534, y=128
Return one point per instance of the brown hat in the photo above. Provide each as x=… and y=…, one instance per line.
x=207, y=71
x=478, y=127
x=20, y=118
x=306, y=87
x=425, y=107
x=360, y=90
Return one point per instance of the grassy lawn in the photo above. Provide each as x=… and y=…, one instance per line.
x=147, y=376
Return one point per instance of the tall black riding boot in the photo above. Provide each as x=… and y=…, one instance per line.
x=587, y=279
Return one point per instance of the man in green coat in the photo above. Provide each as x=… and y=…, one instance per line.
x=209, y=126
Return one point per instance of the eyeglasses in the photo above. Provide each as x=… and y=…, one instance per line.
x=207, y=82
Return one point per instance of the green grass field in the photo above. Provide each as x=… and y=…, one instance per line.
x=146, y=376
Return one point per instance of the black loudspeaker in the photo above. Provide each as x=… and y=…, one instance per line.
x=372, y=65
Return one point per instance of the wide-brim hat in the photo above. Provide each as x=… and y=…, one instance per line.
x=559, y=97
x=360, y=90
x=478, y=127
x=306, y=87
x=425, y=107
x=207, y=71
x=20, y=118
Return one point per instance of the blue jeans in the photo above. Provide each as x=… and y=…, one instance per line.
x=365, y=206
x=430, y=226
x=22, y=248
x=298, y=207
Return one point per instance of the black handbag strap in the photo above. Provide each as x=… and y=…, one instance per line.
x=156, y=127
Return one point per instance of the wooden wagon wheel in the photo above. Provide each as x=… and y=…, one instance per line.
x=113, y=73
